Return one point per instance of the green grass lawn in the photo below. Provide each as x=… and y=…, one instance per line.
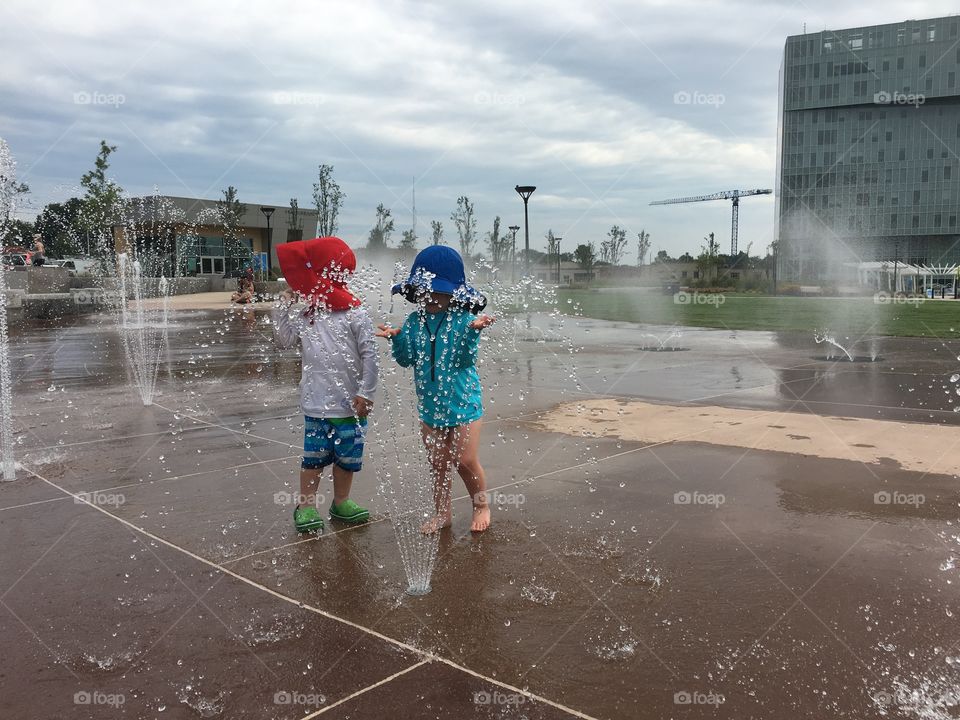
x=916, y=318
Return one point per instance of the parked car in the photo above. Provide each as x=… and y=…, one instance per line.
x=13, y=260
x=80, y=265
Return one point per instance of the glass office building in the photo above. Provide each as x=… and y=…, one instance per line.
x=868, y=151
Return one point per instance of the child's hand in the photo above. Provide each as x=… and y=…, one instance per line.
x=362, y=406
x=483, y=321
x=386, y=331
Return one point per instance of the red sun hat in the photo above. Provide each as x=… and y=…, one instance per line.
x=318, y=270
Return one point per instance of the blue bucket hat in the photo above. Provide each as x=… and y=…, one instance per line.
x=439, y=268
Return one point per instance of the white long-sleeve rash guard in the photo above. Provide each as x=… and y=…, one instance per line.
x=339, y=358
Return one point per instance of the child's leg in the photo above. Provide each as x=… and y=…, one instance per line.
x=467, y=452
x=342, y=482
x=438, y=444
x=309, y=481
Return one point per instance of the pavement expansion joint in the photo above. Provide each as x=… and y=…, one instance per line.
x=427, y=656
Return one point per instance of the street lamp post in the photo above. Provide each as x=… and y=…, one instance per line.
x=558, y=258
x=525, y=191
x=513, y=254
x=268, y=211
x=896, y=260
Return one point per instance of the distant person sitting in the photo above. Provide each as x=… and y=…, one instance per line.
x=37, y=257
x=245, y=289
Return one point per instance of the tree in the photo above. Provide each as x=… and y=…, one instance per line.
x=436, y=232
x=17, y=232
x=466, y=224
x=62, y=227
x=662, y=257
x=294, y=221
x=686, y=257
x=586, y=256
x=408, y=242
x=380, y=233
x=11, y=189
x=615, y=244
x=103, y=201
x=643, y=246
x=551, y=243
x=709, y=256
x=328, y=199
x=230, y=212
x=499, y=246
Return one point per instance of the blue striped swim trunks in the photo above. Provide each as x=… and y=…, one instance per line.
x=333, y=440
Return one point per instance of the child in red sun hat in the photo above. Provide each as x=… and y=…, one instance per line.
x=339, y=377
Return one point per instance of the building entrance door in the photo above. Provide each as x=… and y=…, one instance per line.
x=211, y=265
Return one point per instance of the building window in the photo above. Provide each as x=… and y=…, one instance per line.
x=683, y=273
x=929, y=153
x=937, y=220
x=916, y=197
x=925, y=176
x=951, y=79
x=947, y=172
x=886, y=65
x=952, y=221
x=923, y=60
x=899, y=63
x=916, y=222
x=696, y=274
x=893, y=220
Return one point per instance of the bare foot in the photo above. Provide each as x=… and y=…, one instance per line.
x=436, y=523
x=481, y=518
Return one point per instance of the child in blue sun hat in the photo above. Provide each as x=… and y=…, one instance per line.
x=440, y=340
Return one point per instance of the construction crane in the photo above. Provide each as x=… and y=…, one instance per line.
x=733, y=195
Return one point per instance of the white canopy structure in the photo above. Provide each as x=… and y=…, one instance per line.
x=885, y=274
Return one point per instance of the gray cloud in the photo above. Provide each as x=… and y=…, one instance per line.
x=471, y=98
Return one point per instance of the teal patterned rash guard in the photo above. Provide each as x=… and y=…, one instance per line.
x=442, y=349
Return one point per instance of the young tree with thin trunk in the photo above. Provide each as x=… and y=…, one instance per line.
x=380, y=233
x=102, y=199
x=436, y=232
x=328, y=198
x=466, y=224
x=616, y=244
x=643, y=246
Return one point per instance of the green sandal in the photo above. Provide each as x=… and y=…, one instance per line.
x=348, y=511
x=307, y=519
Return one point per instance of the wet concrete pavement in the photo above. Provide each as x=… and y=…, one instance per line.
x=779, y=589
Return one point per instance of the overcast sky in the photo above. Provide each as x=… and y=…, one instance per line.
x=577, y=98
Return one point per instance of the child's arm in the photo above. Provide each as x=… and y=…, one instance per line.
x=369, y=368
x=401, y=342
x=469, y=345
x=285, y=333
